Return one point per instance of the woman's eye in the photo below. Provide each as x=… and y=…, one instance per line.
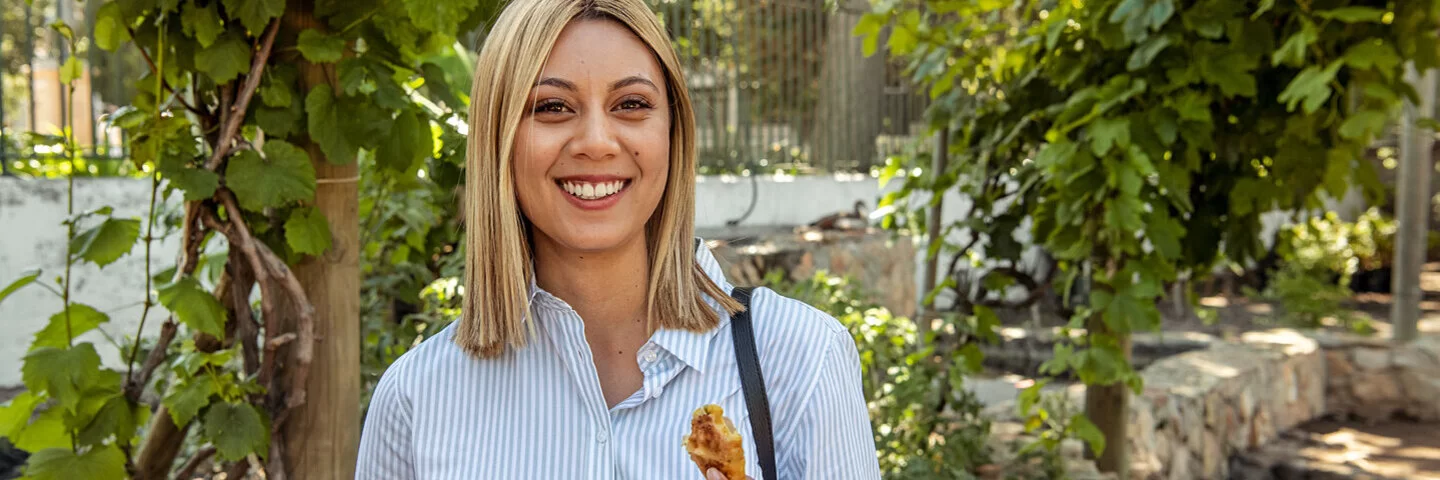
x=550, y=106
x=634, y=104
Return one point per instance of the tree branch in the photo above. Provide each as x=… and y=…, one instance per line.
x=188, y=471
x=236, y=113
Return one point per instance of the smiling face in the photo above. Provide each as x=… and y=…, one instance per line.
x=592, y=152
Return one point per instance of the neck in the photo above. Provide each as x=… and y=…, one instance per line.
x=607, y=289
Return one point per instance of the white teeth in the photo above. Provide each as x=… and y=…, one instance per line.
x=592, y=191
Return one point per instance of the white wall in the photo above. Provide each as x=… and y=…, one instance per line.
x=31, y=212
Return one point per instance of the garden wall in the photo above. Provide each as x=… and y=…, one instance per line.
x=1202, y=410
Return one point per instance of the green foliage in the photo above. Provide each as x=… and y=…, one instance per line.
x=1138, y=139
x=926, y=423
x=1143, y=137
x=1318, y=258
x=398, y=84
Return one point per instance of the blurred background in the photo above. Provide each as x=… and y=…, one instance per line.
x=1104, y=239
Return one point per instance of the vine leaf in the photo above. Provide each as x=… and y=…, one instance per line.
x=227, y=58
x=1363, y=124
x=196, y=183
x=187, y=398
x=1310, y=87
x=255, y=14
x=195, y=307
x=321, y=48
x=282, y=176
x=118, y=417
x=409, y=141
x=63, y=373
x=203, y=23
x=325, y=126
x=110, y=27
x=1373, y=53
x=307, y=231
x=1353, y=14
x=105, y=243
x=1087, y=431
x=439, y=16
x=236, y=430
x=83, y=318
x=26, y=277
x=99, y=463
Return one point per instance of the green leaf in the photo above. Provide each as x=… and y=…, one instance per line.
x=1373, y=54
x=64, y=30
x=307, y=231
x=226, y=59
x=187, y=398
x=278, y=88
x=15, y=413
x=1310, y=87
x=283, y=176
x=1231, y=72
x=326, y=126
x=118, y=418
x=203, y=23
x=319, y=47
x=1142, y=56
x=1164, y=234
x=26, y=277
x=1364, y=124
x=1087, y=431
x=83, y=318
x=236, y=430
x=72, y=70
x=1108, y=132
x=255, y=14
x=105, y=243
x=1337, y=171
x=196, y=183
x=98, y=463
x=110, y=27
x=1191, y=105
x=280, y=122
x=1292, y=52
x=47, y=430
x=1353, y=14
x=439, y=16
x=408, y=142
x=63, y=373
x=1265, y=6
x=193, y=306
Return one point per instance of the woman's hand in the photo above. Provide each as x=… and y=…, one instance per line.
x=714, y=474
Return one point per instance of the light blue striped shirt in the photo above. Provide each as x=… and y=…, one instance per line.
x=538, y=412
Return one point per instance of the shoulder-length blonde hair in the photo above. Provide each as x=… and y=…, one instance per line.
x=496, y=309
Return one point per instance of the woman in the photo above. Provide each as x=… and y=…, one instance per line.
x=594, y=321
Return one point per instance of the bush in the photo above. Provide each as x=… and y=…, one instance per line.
x=1318, y=260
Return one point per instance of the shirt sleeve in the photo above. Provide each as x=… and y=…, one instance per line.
x=832, y=438
x=386, y=451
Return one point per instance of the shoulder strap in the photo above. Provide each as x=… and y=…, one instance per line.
x=747, y=357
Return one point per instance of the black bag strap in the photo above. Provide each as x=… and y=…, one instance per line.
x=747, y=358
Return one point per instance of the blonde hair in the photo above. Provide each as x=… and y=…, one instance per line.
x=496, y=308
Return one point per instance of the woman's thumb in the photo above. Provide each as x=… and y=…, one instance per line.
x=714, y=474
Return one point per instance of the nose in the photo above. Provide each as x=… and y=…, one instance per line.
x=596, y=139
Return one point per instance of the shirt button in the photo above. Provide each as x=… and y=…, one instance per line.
x=650, y=356
x=601, y=437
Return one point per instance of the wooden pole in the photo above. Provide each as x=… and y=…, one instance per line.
x=322, y=435
x=1108, y=406
x=1413, y=212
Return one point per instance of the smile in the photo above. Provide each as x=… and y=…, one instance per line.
x=592, y=190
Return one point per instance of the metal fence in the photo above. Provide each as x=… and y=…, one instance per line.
x=778, y=84
x=785, y=83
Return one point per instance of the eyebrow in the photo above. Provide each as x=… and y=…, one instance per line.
x=618, y=84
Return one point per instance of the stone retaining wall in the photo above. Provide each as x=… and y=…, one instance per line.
x=1202, y=409
x=884, y=265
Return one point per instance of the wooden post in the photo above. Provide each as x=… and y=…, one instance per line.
x=322, y=436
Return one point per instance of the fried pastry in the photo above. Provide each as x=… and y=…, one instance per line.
x=714, y=443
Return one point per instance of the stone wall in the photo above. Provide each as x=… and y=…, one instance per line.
x=1202, y=410
x=1373, y=380
x=881, y=264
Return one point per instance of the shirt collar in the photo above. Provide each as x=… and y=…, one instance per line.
x=693, y=348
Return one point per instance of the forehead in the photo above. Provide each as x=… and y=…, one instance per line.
x=601, y=50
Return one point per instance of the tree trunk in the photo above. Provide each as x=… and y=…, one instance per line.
x=322, y=435
x=1107, y=406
